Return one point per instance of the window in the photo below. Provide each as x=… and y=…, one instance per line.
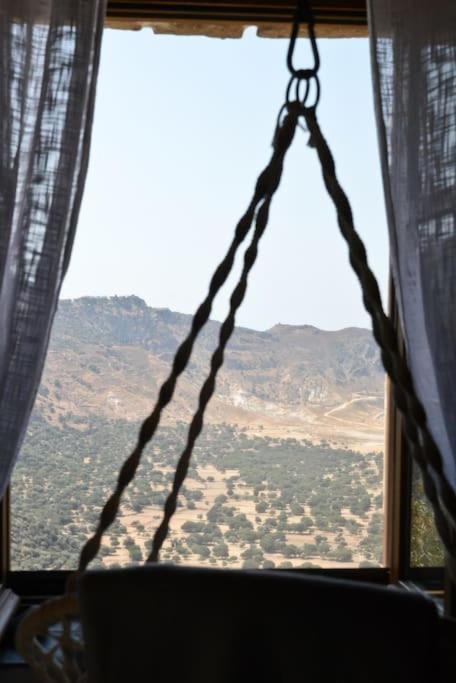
x=289, y=471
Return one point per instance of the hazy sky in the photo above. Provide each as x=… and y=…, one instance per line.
x=182, y=128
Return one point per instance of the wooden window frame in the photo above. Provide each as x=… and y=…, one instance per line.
x=230, y=17
x=398, y=489
x=9, y=601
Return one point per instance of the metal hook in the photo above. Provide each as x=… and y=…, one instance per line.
x=303, y=13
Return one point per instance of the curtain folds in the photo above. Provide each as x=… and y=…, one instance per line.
x=49, y=53
x=413, y=48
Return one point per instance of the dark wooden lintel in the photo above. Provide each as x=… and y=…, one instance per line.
x=336, y=17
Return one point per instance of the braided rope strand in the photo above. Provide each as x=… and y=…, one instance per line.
x=283, y=139
x=395, y=364
x=265, y=185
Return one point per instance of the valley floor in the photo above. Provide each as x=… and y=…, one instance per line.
x=249, y=500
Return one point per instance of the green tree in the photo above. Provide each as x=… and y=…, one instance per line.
x=426, y=548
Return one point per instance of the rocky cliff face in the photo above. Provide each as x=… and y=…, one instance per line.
x=108, y=357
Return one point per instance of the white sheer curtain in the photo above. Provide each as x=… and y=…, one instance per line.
x=49, y=52
x=414, y=66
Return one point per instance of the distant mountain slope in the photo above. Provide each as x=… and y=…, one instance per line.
x=108, y=357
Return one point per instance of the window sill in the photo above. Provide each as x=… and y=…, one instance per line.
x=35, y=586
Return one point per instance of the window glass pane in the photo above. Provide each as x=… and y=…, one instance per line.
x=289, y=469
x=425, y=546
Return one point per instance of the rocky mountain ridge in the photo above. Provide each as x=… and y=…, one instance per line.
x=109, y=355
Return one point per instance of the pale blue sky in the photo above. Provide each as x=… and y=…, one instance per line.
x=182, y=128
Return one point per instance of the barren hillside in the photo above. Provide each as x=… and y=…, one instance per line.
x=108, y=357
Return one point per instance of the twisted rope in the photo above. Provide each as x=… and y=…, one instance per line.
x=424, y=449
x=265, y=187
x=272, y=176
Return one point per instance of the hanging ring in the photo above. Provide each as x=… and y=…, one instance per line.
x=293, y=92
x=303, y=13
x=302, y=97
x=294, y=95
x=305, y=102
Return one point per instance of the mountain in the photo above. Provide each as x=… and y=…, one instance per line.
x=108, y=357
x=287, y=473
